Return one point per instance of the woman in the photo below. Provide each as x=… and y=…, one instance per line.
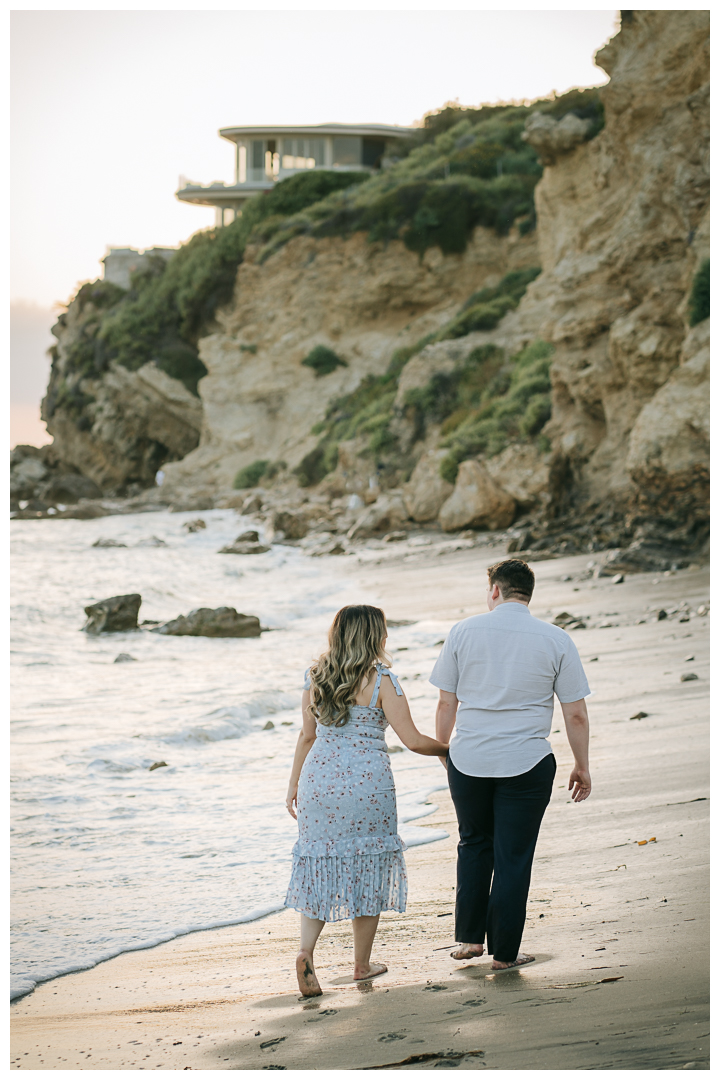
x=348, y=861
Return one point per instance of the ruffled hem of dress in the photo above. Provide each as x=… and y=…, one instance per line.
x=335, y=887
x=349, y=846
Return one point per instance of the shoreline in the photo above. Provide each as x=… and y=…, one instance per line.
x=610, y=907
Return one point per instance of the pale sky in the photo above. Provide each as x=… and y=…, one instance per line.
x=108, y=108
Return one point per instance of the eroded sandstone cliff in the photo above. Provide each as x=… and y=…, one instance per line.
x=604, y=334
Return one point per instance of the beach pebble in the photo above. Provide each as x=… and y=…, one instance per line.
x=566, y=577
x=689, y=677
x=194, y=526
x=108, y=543
x=689, y=658
x=662, y=614
x=639, y=715
x=124, y=658
x=158, y=765
x=702, y=610
x=618, y=579
x=268, y=726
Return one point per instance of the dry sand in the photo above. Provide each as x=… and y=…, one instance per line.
x=620, y=930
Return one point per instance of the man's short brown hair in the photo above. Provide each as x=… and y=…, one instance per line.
x=514, y=578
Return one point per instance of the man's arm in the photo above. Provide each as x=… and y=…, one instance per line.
x=445, y=718
x=577, y=726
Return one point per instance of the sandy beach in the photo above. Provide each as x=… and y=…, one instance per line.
x=620, y=934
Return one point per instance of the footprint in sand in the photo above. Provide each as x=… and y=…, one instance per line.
x=435, y=986
x=391, y=1036
x=475, y=1001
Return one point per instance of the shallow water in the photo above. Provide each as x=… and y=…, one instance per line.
x=107, y=856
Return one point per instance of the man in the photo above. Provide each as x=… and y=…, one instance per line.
x=497, y=674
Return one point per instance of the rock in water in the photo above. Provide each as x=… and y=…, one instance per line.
x=246, y=543
x=194, y=526
x=211, y=622
x=113, y=615
x=108, y=543
x=124, y=658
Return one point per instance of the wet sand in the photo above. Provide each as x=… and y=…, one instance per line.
x=619, y=929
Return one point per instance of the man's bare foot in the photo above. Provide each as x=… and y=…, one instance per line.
x=306, y=977
x=368, y=971
x=467, y=952
x=522, y=958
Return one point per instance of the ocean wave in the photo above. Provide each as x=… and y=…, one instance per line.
x=22, y=984
x=232, y=721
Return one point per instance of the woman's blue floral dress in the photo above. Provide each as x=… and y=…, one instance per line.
x=348, y=859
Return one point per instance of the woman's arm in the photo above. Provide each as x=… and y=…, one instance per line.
x=304, y=744
x=577, y=726
x=397, y=712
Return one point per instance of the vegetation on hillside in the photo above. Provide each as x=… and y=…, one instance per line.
x=700, y=294
x=369, y=410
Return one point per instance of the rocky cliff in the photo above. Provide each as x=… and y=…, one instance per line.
x=363, y=301
x=466, y=394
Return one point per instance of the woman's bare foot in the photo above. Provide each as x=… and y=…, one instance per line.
x=467, y=952
x=522, y=958
x=306, y=977
x=368, y=971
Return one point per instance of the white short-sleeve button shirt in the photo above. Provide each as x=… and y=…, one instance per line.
x=504, y=668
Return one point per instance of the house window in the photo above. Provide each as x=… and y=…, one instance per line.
x=347, y=150
x=258, y=154
x=372, y=152
x=317, y=151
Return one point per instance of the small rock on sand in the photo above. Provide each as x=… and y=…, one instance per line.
x=124, y=658
x=269, y=726
x=690, y=676
x=662, y=614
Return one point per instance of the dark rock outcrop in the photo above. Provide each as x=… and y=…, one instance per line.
x=212, y=622
x=116, y=614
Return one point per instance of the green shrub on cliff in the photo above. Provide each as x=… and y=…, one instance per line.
x=700, y=294
x=251, y=475
x=323, y=361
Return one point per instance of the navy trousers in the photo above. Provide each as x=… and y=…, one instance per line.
x=499, y=820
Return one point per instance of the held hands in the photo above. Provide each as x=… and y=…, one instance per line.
x=579, y=784
x=291, y=801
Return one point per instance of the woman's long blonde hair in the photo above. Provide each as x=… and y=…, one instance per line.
x=355, y=645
